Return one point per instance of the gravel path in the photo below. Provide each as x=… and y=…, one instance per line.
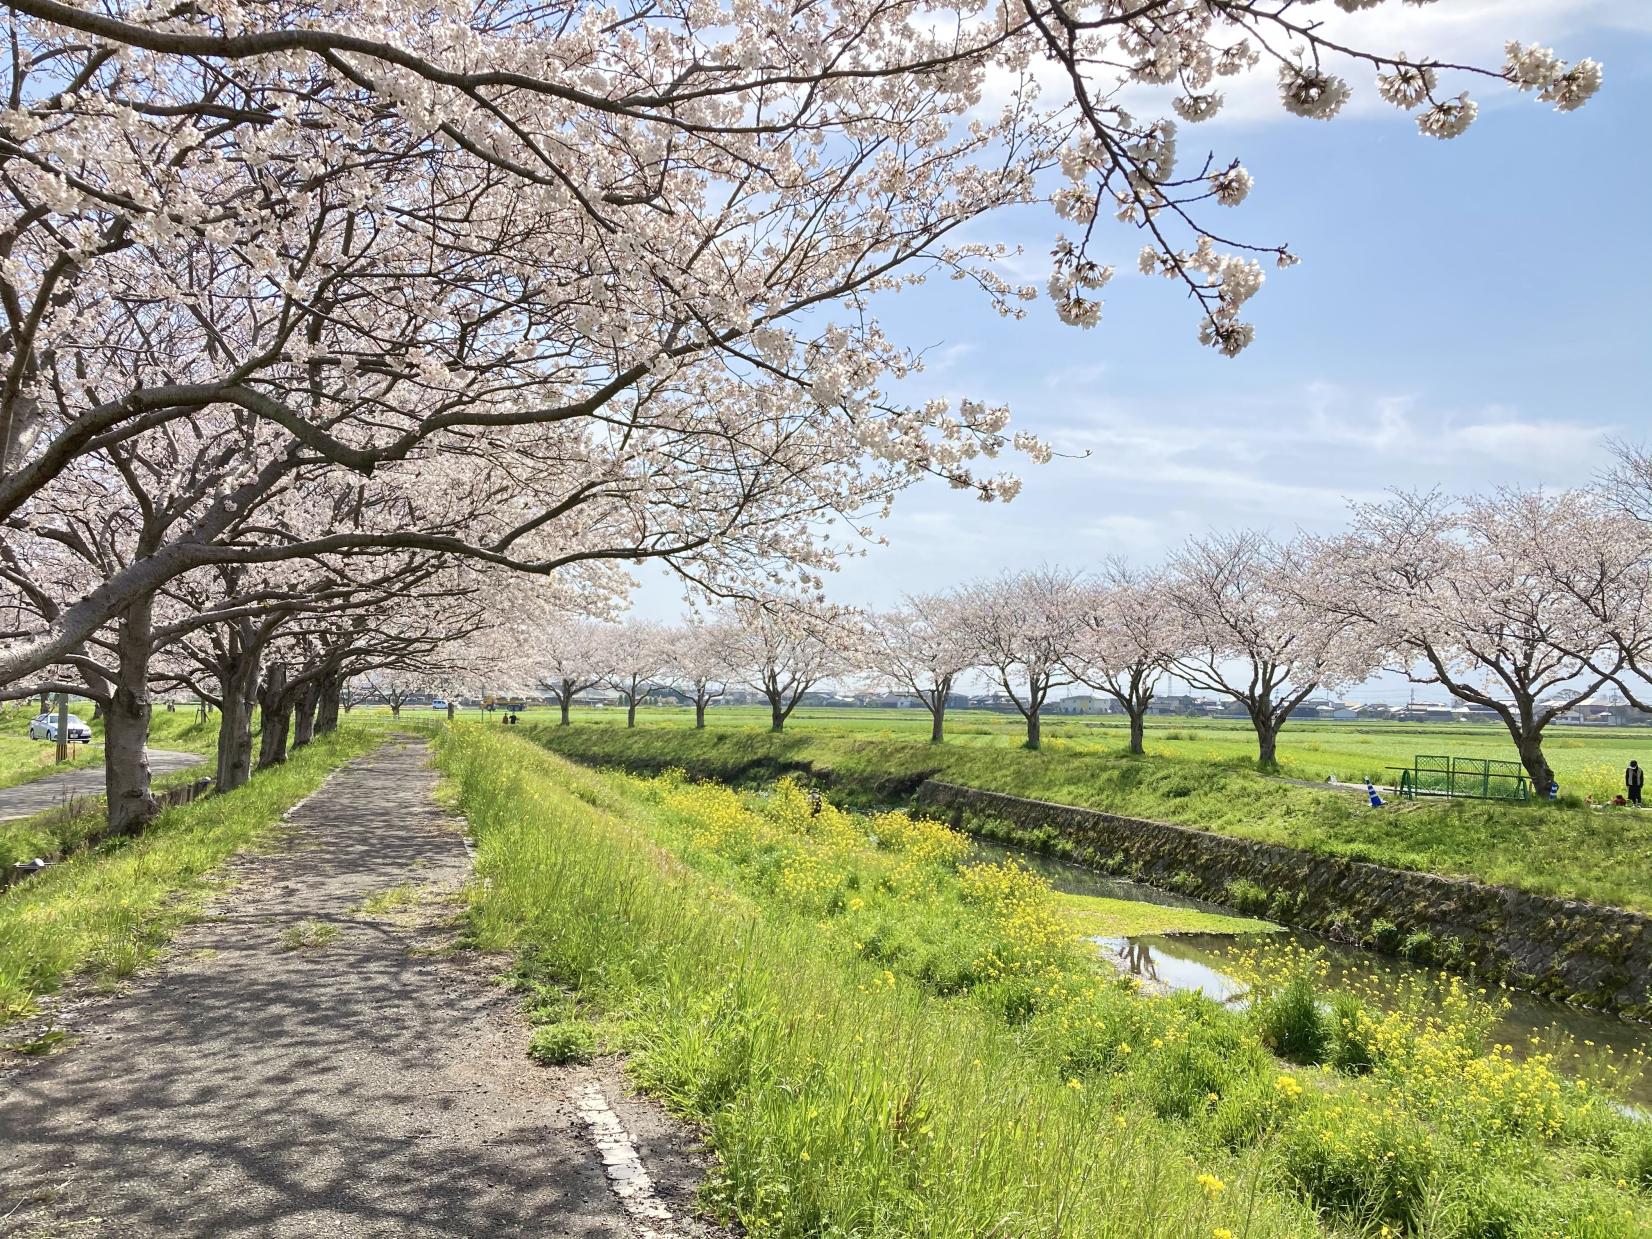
x=27, y=799
x=374, y=1084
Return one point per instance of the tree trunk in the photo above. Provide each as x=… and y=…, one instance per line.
x=630, y=711
x=1034, y=730
x=699, y=715
x=326, y=714
x=304, y=714
x=240, y=693
x=1138, y=728
x=45, y=702
x=97, y=711
x=777, y=716
x=275, y=707
x=1267, y=744
x=1537, y=766
x=452, y=711
x=395, y=709
x=937, y=721
x=132, y=805
x=566, y=703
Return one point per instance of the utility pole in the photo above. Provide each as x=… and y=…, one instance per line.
x=62, y=728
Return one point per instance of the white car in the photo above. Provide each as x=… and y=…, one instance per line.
x=44, y=727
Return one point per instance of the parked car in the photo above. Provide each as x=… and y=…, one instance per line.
x=44, y=727
x=438, y=704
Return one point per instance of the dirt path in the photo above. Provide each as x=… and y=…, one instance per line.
x=27, y=799
x=374, y=1084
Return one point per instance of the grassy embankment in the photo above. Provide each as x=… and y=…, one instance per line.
x=107, y=909
x=881, y=1042
x=1557, y=849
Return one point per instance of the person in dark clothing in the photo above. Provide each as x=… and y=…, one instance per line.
x=1634, y=779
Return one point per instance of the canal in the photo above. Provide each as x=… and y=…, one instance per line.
x=1208, y=962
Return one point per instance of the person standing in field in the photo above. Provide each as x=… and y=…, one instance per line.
x=1634, y=778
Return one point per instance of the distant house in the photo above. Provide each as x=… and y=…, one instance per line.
x=992, y=701
x=1084, y=703
x=1428, y=712
x=1173, y=704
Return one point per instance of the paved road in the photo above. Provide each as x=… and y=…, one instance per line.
x=51, y=791
x=369, y=1086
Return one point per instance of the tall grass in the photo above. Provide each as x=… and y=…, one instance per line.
x=879, y=1042
x=106, y=910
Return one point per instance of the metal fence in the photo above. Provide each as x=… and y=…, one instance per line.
x=1478, y=778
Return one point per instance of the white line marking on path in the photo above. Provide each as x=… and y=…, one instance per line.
x=624, y=1168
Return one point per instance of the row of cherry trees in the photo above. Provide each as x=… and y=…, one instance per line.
x=321, y=319
x=1524, y=602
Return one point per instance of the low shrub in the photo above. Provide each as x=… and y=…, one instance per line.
x=565, y=1041
x=1243, y=895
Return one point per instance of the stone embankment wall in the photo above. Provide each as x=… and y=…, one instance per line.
x=1577, y=952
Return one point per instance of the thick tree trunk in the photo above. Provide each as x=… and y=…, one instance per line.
x=937, y=722
x=97, y=711
x=45, y=703
x=699, y=716
x=327, y=703
x=304, y=714
x=452, y=711
x=630, y=711
x=395, y=709
x=1537, y=766
x=275, y=707
x=1138, y=730
x=566, y=703
x=132, y=805
x=1267, y=744
x=1035, y=732
x=777, y=715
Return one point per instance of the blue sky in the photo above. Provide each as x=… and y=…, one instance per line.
x=1466, y=313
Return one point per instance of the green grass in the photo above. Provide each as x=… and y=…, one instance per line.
x=1560, y=849
x=880, y=1038
x=105, y=911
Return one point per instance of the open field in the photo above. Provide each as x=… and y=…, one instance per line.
x=1565, y=849
x=882, y=1038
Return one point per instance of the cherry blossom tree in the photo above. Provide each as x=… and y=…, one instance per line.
x=634, y=654
x=1024, y=627
x=699, y=663
x=922, y=648
x=651, y=334
x=1610, y=571
x=393, y=687
x=1472, y=594
x=1128, y=630
x=784, y=648
x=1246, y=633
x=569, y=657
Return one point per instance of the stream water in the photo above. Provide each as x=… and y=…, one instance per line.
x=1202, y=962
